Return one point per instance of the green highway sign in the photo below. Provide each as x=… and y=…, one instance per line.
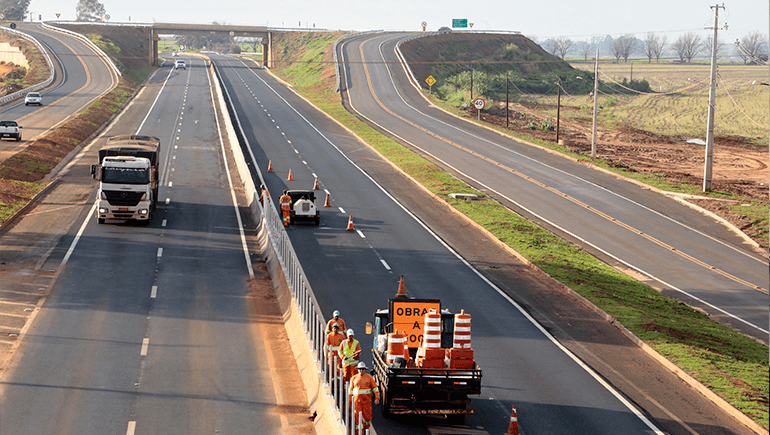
x=459, y=22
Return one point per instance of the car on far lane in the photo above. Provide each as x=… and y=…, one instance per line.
x=180, y=64
x=33, y=98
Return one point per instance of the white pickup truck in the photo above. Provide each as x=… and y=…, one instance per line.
x=10, y=129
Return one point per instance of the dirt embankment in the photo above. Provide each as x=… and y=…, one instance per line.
x=740, y=166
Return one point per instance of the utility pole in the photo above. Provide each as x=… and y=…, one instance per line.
x=712, y=96
x=506, y=99
x=558, y=107
x=596, y=104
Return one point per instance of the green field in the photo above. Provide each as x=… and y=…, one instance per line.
x=679, y=106
x=732, y=365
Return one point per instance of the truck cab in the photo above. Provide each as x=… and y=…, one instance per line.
x=128, y=178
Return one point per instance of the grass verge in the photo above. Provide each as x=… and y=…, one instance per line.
x=732, y=365
x=20, y=175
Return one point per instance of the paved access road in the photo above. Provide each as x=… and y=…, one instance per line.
x=149, y=329
x=681, y=251
x=356, y=272
x=82, y=76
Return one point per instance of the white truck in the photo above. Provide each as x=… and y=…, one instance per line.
x=128, y=178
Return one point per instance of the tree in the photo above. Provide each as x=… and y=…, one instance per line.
x=14, y=10
x=653, y=46
x=688, y=46
x=584, y=49
x=752, y=48
x=720, y=46
x=563, y=46
x=624, y=47
x=90, y=10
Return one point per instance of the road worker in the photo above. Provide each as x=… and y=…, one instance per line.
x=335, y=319
x=333, y=340
x=349, y=351
x=362, y=385
x=285, y=201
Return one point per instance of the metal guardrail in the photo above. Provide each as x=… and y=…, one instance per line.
x=337, y=64
x=87, y=41
x=48, y=61
x=300, y=289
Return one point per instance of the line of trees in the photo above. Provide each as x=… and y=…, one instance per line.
x=752, y=48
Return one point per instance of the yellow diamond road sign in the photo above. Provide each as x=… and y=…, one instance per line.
x=430, y=80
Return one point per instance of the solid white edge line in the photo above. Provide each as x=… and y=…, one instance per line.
x=497, y=289
x=244, y=245
x=645, y=273
x=79, y=234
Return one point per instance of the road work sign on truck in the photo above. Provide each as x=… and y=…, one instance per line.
x=409, y=317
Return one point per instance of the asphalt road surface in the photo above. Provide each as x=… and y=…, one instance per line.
x=356, y=272
x=148, y=329
x=679, y=250
x=81, y=77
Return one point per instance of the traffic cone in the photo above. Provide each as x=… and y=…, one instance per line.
x=328, y=201
x=270, y=166
x=315, y=185
x=513, y=426
x=350, y=224
x=291, y=177
x=401, y=289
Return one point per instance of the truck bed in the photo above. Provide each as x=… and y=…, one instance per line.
x=413, y=390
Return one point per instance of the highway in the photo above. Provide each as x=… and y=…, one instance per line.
x=81, y=78
x=149, y=329
x=356, y=272
x=677, y=249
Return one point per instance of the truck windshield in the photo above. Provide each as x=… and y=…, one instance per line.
x=125, y=175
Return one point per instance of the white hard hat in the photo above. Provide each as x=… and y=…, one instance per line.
x=336, y=313
x=350, y=332
x=361, y=365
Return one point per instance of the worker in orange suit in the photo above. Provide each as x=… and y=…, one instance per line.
x=349, y=351
x=285, y=201
x=362, y=385
x=333, y=340
x=335, y=319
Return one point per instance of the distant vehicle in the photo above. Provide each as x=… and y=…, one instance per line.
x=444, y=30
x=33, y=98
x=10, y=129
x=180, y=64
x=174, y=54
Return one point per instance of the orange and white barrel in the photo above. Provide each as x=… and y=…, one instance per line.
x=396, y=341
x=461, y=339
x=431, y=336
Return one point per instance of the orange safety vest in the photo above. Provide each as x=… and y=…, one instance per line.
x=333, y=342
x=285, y=201
x=339, y=322
x=362, y=385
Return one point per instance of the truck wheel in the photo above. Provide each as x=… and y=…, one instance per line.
x=317, y=220
x=100, y=220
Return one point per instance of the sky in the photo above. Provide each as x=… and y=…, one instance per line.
x=543, y=19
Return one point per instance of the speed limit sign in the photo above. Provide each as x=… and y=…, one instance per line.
x=478, y=103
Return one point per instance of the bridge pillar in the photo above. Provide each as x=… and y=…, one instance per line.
x=153, y=47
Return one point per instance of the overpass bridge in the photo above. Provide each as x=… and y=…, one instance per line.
x=214, y=30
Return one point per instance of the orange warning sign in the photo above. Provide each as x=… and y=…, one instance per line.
x=409, y=315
